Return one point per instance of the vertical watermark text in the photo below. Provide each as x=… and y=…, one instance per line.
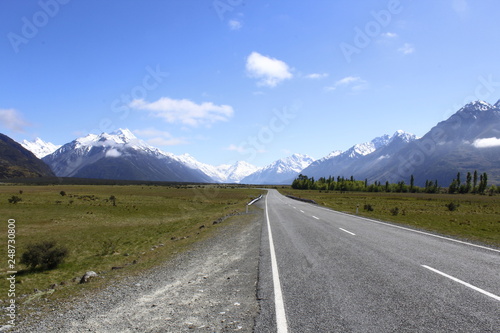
x=10, y=309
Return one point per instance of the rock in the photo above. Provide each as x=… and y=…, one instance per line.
x=87, y=276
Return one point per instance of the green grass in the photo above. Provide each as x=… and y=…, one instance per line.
x=147, y=225
x=476, y=219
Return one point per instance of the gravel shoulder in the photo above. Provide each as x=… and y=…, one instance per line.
x=210, y=288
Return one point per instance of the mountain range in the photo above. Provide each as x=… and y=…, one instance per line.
x=469, y=140
x=18, y=162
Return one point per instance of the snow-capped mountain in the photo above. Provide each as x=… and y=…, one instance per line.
x=18, y=162
x=235, y=173
x=39, y=147
x=468, y=140
x=363, y=149
x=282, y=171
x=119, y=155
x=224, y=173
x=355, y=160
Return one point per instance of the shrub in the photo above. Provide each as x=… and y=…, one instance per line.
x=15, y=199
x=368, y=208
x=109, y=247
x=452, y=206
x=62, y=193
x=395, y=211
x=45, y=254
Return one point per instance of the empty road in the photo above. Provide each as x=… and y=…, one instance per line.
x=324, y=271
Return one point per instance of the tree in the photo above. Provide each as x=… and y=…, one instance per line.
x=474, y=188
x=412, y=183
x=468, y=183
x=483, y=183
x=454, y=186
x=44, y=254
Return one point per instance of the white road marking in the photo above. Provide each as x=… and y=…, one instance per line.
x=487, y=293
x=301, y=210
x=317, y=218
x=281, y=323
x=348, y=232
x=412, y=230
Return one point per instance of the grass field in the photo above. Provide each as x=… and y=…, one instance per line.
x=477, y=217
x=142, y=227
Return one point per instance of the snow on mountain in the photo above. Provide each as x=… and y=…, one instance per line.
x=224, y=173
x=477, y=106
x=120, y=155
x=404, y=136
x=39, y=147
x=236, y=172
x=208, y=169
x=357, y=159
x=282, y=171
x=363, y=149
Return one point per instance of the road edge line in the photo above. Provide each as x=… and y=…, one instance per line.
x=281, y=323
x=412, y=230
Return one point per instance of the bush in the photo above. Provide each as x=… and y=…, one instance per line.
x=452, y=206
x=62, y=193
x=368, y=208
x=395, y=211
x=46, y=255
x=14, y=199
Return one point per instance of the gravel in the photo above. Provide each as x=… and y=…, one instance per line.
x=211, y=288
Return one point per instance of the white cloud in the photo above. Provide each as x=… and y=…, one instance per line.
x=407, y=49
x=355, y=83
x=113, y=153
x=185, y=111
x=270, y=71
x=486, y=143
x=235, y=24
x=317, y=75
x=390, y=35
x=13, y=120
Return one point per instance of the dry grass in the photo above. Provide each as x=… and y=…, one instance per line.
x=146, y=226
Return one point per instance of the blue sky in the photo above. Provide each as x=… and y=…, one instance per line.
x=227, y=80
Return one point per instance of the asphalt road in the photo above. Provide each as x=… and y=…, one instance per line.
x=324, y=271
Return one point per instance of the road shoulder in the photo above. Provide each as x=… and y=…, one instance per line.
x=211, y=287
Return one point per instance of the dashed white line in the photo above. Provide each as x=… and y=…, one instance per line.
x=317, y=218
x=487, y=293
x=301, y=210
x=281, y=324
x=409, y=229
x=347, y=231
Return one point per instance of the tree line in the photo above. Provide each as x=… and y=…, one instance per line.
x=474, y=183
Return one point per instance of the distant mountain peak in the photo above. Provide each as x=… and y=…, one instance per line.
x=404, y=136
x=497, y=104
x=124, y=134
x=476, y=106
x=281, y=171
x=39, y=147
